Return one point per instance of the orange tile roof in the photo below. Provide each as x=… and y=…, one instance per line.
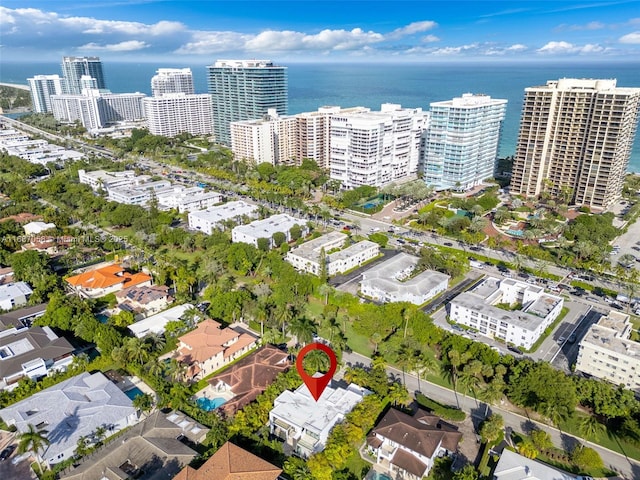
x=106, y=277
x=231, y=462
x=242, y=342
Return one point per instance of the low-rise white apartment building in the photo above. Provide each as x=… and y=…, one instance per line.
x=376, y=148
x=392, y=281
x=308, y=256
x=187, y=199
x=100, y=179
x=304, y=423
x=213, y=218
x=14, y=294
x=513, y=311
x=267, y=228
x=39, y=151
x=608, y=353
x=140, y=194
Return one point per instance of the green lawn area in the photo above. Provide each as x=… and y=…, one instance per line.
x=357, y=465
x=358, y=343
x=314, y=307
x=571, y=426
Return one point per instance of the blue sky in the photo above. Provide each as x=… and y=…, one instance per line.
x=317, y=31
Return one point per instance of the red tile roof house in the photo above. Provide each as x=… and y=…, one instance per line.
x=249, y=377
x=231, y=462
x=102, y=281
x=210, y=347
x=408, y=445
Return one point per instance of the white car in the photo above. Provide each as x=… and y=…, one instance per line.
x=19, y=458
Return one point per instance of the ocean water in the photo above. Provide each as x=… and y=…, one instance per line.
x=312, y=85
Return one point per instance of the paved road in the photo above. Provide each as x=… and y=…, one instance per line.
x=629, y=468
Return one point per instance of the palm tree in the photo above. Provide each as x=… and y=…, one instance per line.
x=492, y=392
x=423, y=365
x=589, y=427
x=32, y=440
x=303, y=329
x=406, y=359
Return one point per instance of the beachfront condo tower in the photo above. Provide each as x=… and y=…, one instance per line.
x=575, y=141
x=42, y=87
x=73, y=68
x=460, y=148
x=245, y=90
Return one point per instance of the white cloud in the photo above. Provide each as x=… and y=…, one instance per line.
x=518, y=47
x=413, y=28
x=213, y=42
x=127, y=46
x=429, y=39
x=454, y=50
x=633, y=37
x=559, y=48
x=587, y=26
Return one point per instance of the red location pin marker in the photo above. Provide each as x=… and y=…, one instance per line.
x=316, y=385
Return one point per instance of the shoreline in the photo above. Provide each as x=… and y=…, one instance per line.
x=15, y=85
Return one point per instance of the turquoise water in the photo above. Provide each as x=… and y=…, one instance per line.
x=102, y=318
x=208, y=404
x=133, y=392
x=380, y=476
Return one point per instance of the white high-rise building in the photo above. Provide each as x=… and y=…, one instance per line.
x=272, y=139
x=73, y=68
x=96, y=109
x=175, y=113
x=172, y=80
x=376, y=148
x=42, y=87
x=460, y=147
x=87, y=82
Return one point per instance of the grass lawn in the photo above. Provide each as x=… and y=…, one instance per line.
x=357, y=465
x=358, y=343
x=571, y=426
x=314, y=307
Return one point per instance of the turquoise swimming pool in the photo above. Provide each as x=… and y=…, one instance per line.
x=208, y=404
x=133, y=392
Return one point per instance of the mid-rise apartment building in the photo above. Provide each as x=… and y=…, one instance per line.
x=212, y=218
x=42, y=87
x=266, y=228
x=100, y=179
x=575, y=141
x=172, y=80
x=272, y=139
x=376, y=148
x=74, y=68
x=608, y=353
x=245, y=90
x=513, y=311
x=187, y=199
x=328, y=248
x=141, y=193
x=460, y=147
x=173, y=113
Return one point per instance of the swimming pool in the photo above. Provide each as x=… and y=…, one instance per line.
x=102, y=318
x=133, y=392
x=208, y=404
x=379, y=476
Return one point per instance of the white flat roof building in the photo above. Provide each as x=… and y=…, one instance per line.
x=304, y=423
x=513, y=466
x=525, y=314
x=187, y=199
x=608, y=353
x=72, y=409
x=155, y=324
x=34, y=228
x=391, y=281
x=14, y=294
x=214, y=217
x=308, y=256
x=266, y=228
x=38, y=151
x=173, y=113
x=140, y=194
x=172, y=80
x=98, y=179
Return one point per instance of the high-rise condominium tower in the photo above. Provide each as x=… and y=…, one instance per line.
x=461, y=144
x=245, y=90
x=73, y=68
x=172, y=80
x=42, y=87
x=575, y=141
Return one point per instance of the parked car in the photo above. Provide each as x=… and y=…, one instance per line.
x=6, y=453
x=448, y=244
x=561, y=340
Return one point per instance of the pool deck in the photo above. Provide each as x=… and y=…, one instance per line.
x=133, y=381
x=211, y=392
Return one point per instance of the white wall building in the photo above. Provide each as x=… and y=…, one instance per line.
x=272, y=139
x=38, y=151
x=608, y=353
x=14, y=294
x=155, y=324
x=267, y=228
x=376, y=148
x=391, y=281
x=72, y=409
x=535, y=310
x=461, y=143
x=34, y=228
x=175, y=113
x=513, y=466
x=214, y=217
x=42, y=87
x=187, y=199
x=308, y=256
x=139, y=194
x=100, y=179
x=305, y=424
x=172, y=80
